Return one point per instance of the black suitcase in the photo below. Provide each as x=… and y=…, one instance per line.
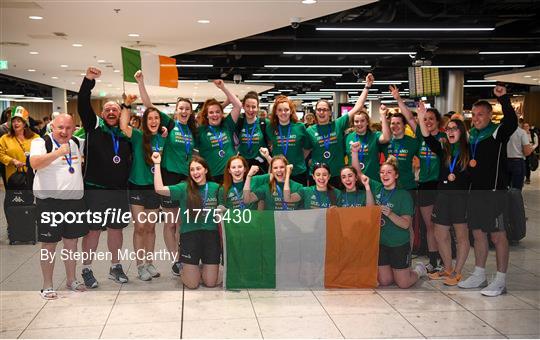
x=514, y=217
x=21, y=221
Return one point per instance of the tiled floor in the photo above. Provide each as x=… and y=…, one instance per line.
x=154, y=309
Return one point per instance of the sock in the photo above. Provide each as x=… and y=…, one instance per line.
x=500, y=277
x=87, y=266
x=114, y=265
x=479, y=271
x=433, y=256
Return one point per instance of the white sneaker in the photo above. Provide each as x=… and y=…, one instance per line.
x=473, y=281
x=420, y=269
x=152, y=270
x=495, y=288
x=144, y=275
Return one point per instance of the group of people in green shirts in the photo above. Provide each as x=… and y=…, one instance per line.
x=217, y=162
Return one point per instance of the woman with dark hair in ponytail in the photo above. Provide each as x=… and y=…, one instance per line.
x=142, y=197
x=451, y=200
x=199, y=236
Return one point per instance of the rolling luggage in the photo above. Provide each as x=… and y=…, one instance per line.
x=21, y=221
x=514, y=216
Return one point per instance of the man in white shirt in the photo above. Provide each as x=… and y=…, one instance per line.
x=58, y=188
x=517, y=149
x=533, y=140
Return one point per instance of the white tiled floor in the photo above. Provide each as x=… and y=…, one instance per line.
x=154, y=309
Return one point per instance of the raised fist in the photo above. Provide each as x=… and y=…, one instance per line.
x=93, y=73
x=370, y=79
x=289, y=168
x=253, y=170
x=164, y=132
x=139, y=76
x=264, y=152
x=129, y=99
x=156, y=157
x=64, y=149
x=383, y=110
x=421, y=108
x=365, y=180
x=499, y=90
x=355, y=147
x=219, y=83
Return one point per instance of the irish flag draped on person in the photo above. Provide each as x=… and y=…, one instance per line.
x=158, y=70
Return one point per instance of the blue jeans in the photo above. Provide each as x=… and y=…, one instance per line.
x=515, y=168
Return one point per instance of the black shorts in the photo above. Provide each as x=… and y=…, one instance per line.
x=427, y=192
x=200, y=246
x=301, y=178
x=396, y=257
x=263, y=166
x=170, y=178
x=450, y=208
x=111, y=204
x=144, y=195
x=485, y=210
x=50, y=211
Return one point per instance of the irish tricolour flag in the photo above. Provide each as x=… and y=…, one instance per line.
x=319, y=248
x=158, y=70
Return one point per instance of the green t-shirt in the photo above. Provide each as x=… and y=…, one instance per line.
x=273, y=200
x=401, y=203
x=141, y=173
x=313, y=199
x=251, y=133
x=351, y=199
x=200, y=222
x=429, y=162
x=404, y=150
x=209, y=146
x=333, y=133
x=234, y=198
x=293, y=143
x=178, y=149
x=372, y=148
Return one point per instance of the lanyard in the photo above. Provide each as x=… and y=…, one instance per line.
x=453, y=164
x=187, y=141
x=239, y=198
x=384, y=200
x=280, y=194
x=69, y=160
x=396, y=154
x=219, y=138
x=363, y=145
x=286, y=147
x=158, y=140
x=205, y=199
x=325, y=138
x=428, y=156
x=251, y=134
x=116, y=142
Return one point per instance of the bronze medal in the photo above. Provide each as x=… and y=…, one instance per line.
x=472, y=163
x=451, y=177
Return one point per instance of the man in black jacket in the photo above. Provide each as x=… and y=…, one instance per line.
x=107, y=167
x=488, y=190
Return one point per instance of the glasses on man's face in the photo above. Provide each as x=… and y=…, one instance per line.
x=451, y=129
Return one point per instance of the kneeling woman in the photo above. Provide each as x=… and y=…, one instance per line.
x=230, y=194
x=199, y=237
x=395, y=248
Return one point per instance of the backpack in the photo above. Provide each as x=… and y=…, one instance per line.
x=31, y=173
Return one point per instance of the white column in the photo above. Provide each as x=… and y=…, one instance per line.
x=451, y=98
x=59, y=98
x=340, y=97
x=374, y=105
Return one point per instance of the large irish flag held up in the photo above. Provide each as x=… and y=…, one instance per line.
x=158, y=70
x=303, y=249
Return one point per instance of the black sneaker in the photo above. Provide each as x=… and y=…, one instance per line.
x=89, y=279
x=176, y=267
x=117, y=274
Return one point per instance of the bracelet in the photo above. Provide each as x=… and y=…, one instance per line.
x=367, y=87
x=123, y=105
